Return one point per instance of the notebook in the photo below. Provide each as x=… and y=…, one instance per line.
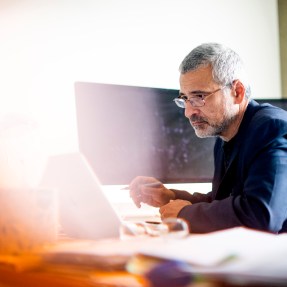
x=84, y=210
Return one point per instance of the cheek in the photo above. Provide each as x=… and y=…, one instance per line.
x=218, y=111
x=214, y=114
x=189, y=111
x=230, y=109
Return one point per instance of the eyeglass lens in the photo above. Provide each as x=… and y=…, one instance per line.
x=195, y=102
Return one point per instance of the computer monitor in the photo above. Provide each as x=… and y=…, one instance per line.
x=281, y=103
x=126, y=131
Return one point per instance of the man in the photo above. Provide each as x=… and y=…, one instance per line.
x=249, y=186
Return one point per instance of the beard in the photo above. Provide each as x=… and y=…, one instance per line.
x=209, y=129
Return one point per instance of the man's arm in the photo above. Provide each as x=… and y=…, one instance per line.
x=192, y=197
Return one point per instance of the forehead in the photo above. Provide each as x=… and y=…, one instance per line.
x=200, y=78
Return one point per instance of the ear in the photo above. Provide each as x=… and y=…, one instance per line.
x=239, y=91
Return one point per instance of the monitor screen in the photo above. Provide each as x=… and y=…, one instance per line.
x=281, y=103
x=126, y=131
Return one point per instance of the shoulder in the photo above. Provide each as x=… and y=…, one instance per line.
x=266, y=117
x=261, y=124
x=266, y=111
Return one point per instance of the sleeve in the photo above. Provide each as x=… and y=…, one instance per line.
x=192, y=197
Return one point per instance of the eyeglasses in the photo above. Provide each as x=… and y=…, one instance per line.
x=196, y=101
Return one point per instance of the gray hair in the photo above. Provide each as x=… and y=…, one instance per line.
x=226, y=65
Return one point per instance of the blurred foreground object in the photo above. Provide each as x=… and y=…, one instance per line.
x=28, y=219
x=28, y=214
x=22, y=152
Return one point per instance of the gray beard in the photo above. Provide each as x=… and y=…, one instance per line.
x=212, y=130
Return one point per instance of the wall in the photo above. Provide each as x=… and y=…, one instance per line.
x=47, y=45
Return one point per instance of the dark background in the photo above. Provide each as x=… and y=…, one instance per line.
x=126, y=131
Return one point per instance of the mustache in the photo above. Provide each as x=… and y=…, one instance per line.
x=196, y=118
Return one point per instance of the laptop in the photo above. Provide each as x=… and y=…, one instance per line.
x=84, y=210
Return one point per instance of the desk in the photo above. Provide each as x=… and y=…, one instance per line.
x=260, y=260
x=35, y=271
x=12, y=278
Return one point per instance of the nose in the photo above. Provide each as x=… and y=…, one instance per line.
x=190, y=110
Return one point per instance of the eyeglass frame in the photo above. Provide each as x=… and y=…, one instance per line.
x=182, y=99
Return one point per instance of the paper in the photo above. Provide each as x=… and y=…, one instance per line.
x=233, y=252
x=238, y=254
x=213, y=248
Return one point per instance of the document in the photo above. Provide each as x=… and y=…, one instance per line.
x=238, y=254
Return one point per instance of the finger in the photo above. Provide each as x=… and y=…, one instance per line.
x=137, y=202
x=162, y=209
x=163, y=214
x=136, y=197
x=137, y=188
x=150, y=200
x=142, y=189
x=154, y=195
x=134, y=191
x=151, y=196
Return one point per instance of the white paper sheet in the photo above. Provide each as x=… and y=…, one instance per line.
x=253, y=253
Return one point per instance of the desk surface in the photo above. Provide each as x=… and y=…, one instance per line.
x=247, y=243
x=12, y=278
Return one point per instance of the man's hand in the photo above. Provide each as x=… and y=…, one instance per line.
x=173, y=208
x=150, y=191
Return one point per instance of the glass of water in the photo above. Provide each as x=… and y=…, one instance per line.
x=175, y=228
